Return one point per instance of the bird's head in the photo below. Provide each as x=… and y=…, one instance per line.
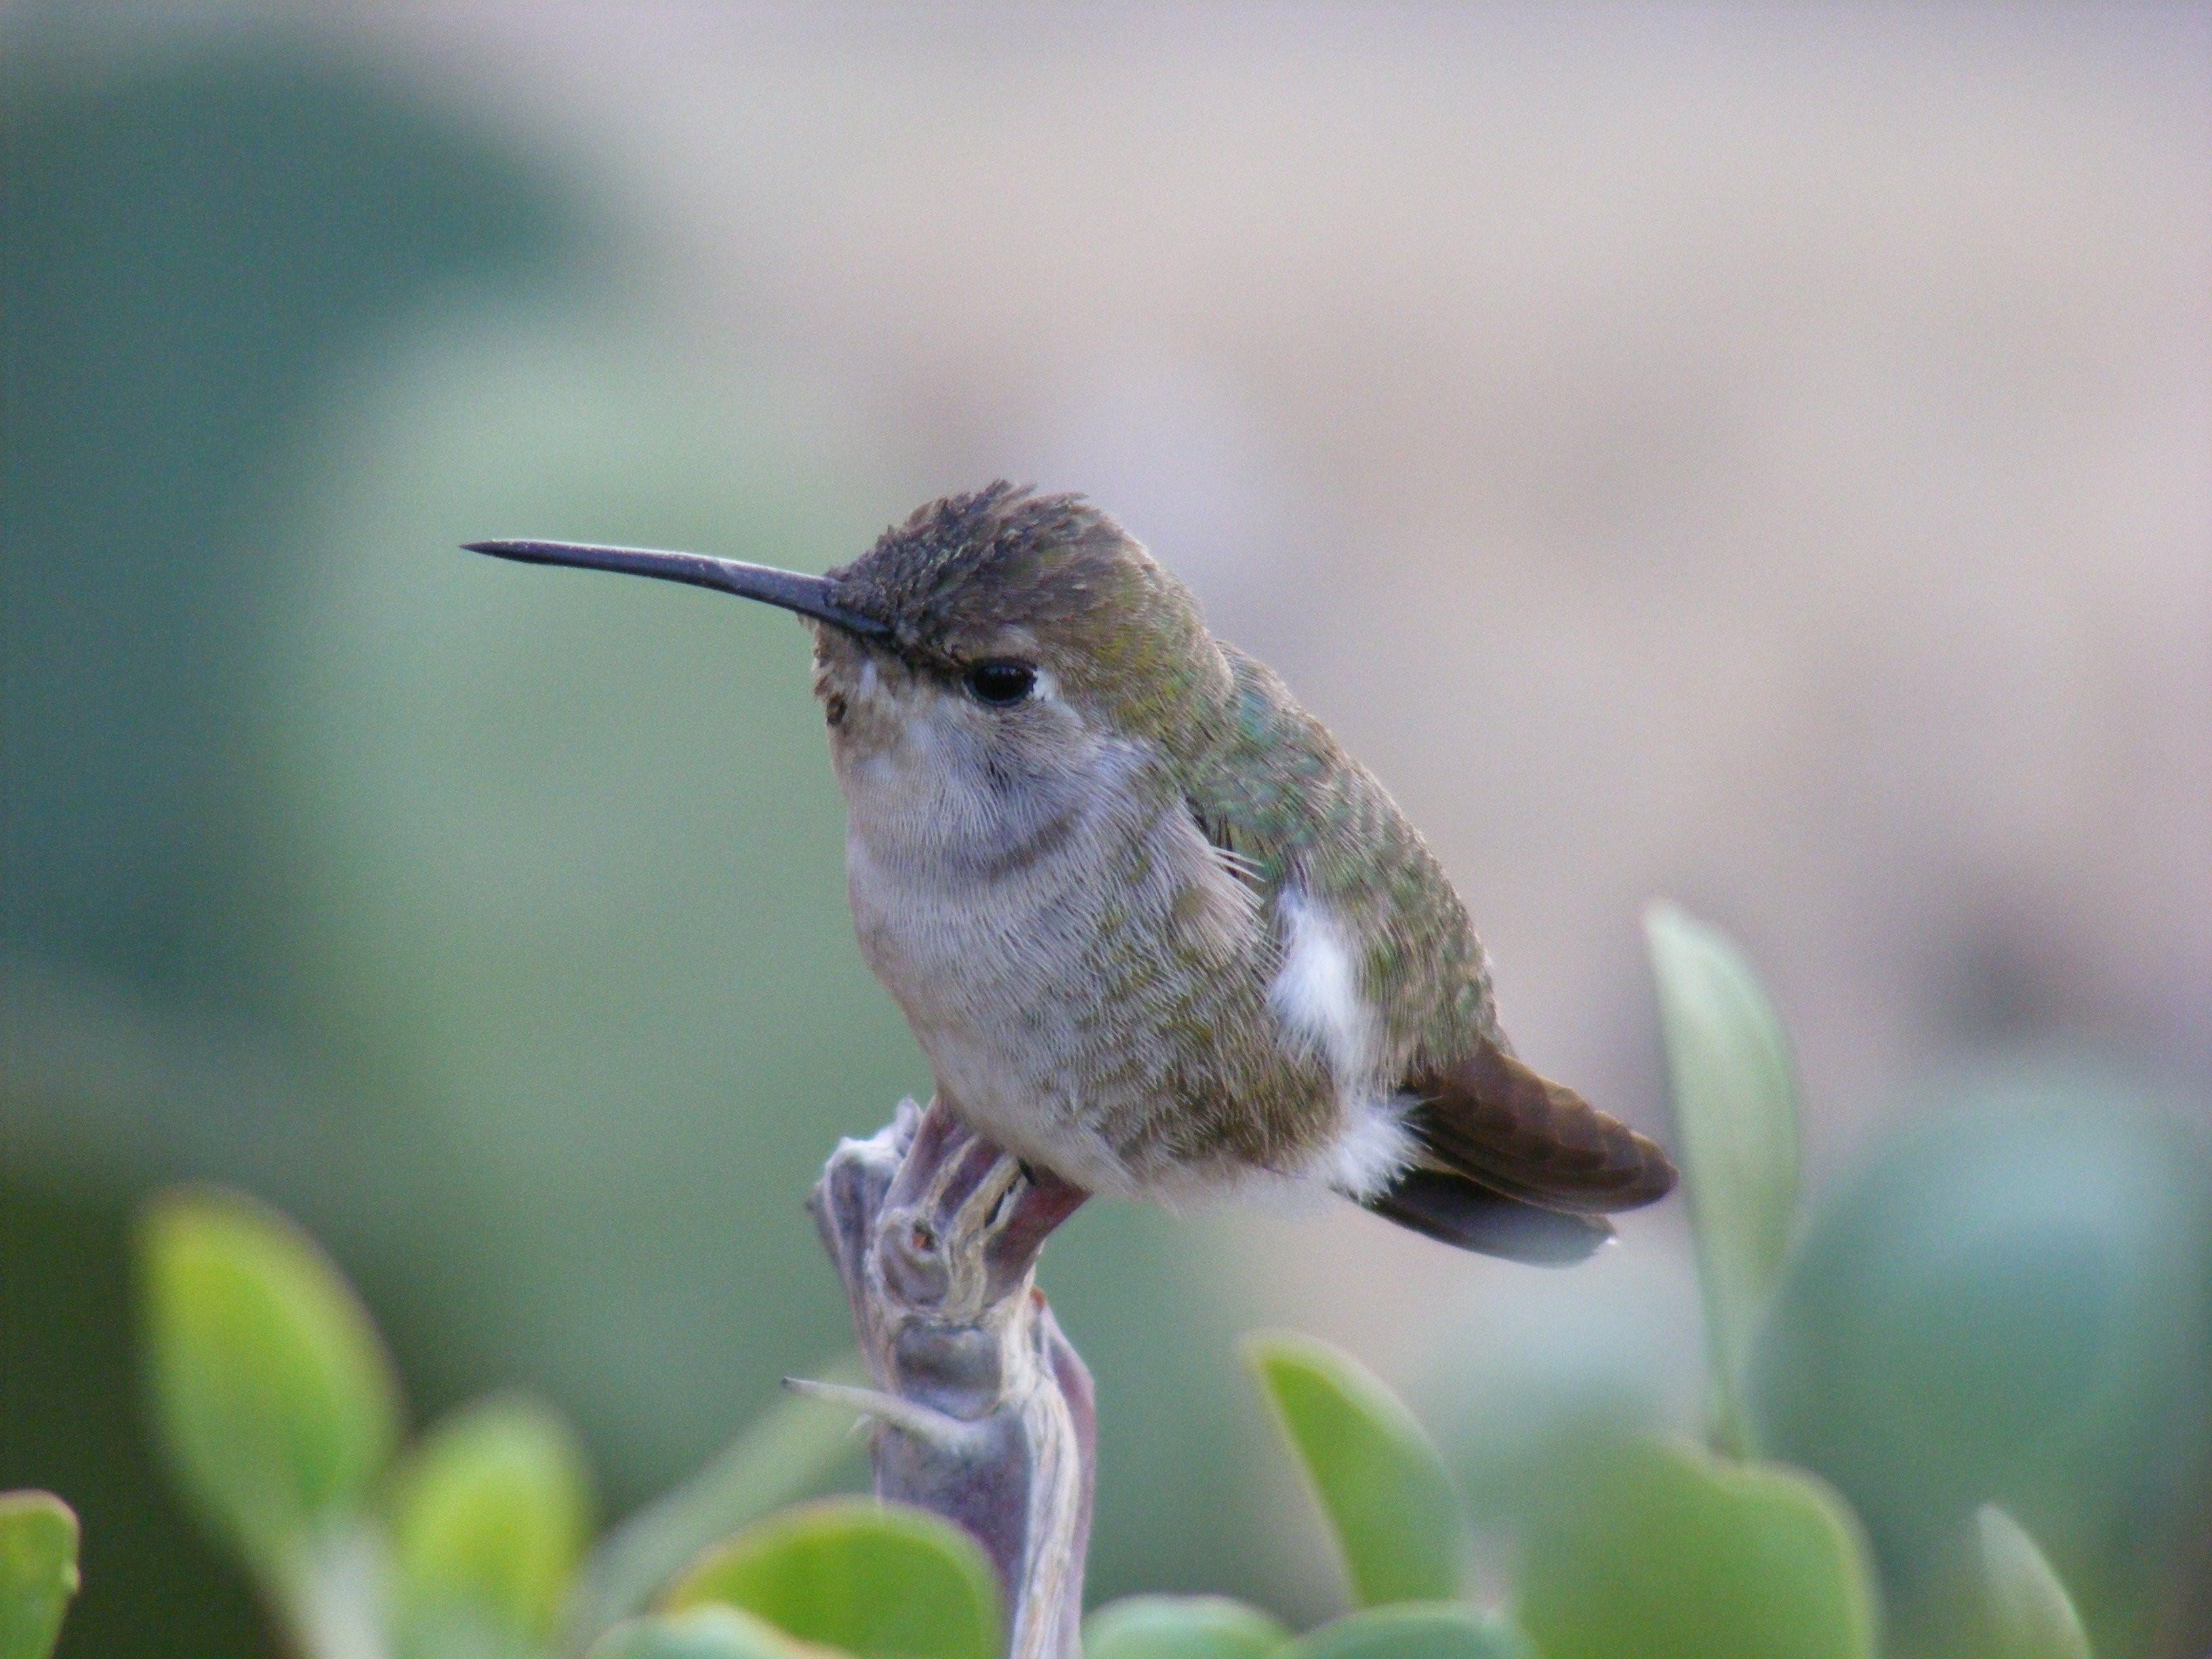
x=1005, y=642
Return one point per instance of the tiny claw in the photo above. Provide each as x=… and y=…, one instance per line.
x=923, y=1422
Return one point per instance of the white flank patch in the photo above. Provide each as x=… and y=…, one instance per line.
x=1315, y=993
x=1373, y=1150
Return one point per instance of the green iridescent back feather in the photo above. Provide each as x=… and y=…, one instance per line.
x=1305, y=814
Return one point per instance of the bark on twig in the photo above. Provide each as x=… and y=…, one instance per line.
x=983, y=1411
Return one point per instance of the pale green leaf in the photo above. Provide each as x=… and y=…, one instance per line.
x=712, y=1632
x=1659, y=1550
x=489, y=1515
x=1735, y=1126
x=274, y=1397
x=2031, y=1615
x=781, y=1455
x=878, y=1580
x=1381, y=1482
x=38, y=1571
x=1181, y=1627
x=1416, y=1630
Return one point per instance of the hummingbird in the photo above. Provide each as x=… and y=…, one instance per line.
x=1153, y=929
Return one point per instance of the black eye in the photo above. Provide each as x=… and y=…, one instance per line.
x=1001, y=685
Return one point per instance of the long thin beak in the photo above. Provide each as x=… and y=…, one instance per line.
x=810, y=596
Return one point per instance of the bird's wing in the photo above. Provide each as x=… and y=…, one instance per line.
x=1279, y=800
x=1511, y=1163
x=1490, y=1118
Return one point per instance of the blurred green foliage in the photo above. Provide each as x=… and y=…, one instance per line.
x=2007, y=1305
x=780, y=1454
x=1399, y=1525
x=280, y=1413
x=866, y=1578
x=1181, y=1627
x=489, y=1517
x=1735, y=1126
x=712, y=1632
x=38, y=1571
x=276, y=1403
x=1414, y=1631
x=199, y=234
x=1646, y=1548
x=2031, y=1615
x=2012, y=1304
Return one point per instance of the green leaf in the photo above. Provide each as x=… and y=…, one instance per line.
x=780, y=1455
x=1378, y=1477
x=1414, y=1629
x=2009, y=1303
x=273, y=1395
x=490, y=1515
x=1181, y=1627
x=2031, y=1615
x=878, y=1580
x=715, y=1632
x=1659, y=1550
x=38, y=1571
x=1735, y=1122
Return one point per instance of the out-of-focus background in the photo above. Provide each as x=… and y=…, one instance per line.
x=1759, y=456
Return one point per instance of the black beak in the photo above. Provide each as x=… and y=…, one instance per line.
x=810, y=596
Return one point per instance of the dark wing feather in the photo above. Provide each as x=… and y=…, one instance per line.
x=1464, y=1213
x=1491, y=1120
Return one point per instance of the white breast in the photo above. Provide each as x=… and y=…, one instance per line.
x=975, y=907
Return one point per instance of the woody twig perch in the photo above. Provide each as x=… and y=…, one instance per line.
x=983, y=1412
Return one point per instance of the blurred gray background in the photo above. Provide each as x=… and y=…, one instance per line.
x=1759, y=457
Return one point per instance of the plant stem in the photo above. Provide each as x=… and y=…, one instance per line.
x=991, y=1424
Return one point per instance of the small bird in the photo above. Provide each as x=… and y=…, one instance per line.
x=1153, y=929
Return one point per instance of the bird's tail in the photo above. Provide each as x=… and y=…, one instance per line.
x=1512, y=1164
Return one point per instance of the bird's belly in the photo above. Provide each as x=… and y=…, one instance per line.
x=991, y=978
x=1038, y=1112
x=1101, y=1015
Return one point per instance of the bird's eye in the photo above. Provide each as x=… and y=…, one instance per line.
x=1001, y=685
